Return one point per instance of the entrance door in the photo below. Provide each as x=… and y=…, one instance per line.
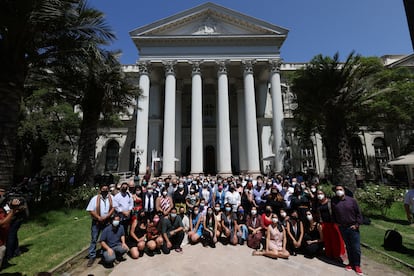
x=210, y=160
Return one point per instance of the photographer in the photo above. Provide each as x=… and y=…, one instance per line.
x=7, y=212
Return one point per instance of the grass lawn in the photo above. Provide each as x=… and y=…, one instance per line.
x=49, y=239
x=373, y=235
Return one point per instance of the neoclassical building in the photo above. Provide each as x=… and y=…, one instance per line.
x=216, y=99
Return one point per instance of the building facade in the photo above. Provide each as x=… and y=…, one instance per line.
x=216, y=99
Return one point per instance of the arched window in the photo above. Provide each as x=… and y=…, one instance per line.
x=381, y=153
x=112, y=156
x=358, y=159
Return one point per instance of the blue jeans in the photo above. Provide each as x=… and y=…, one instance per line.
x=244, y=232
x=353, y=246
x=96, y=229
x=118, y=252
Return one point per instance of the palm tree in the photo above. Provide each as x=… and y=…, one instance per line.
x=105, y=91
x=36, y=33
x=329, y=95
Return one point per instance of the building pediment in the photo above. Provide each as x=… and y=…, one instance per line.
x=208, y=20
x=407, y=61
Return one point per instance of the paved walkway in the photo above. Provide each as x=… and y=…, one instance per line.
x=226, y=260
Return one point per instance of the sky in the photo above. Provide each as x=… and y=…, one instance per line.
x=368, y=27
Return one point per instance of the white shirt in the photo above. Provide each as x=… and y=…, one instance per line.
x=104, y=205
x=409, y=199
x=123, y=203
x=233, y=198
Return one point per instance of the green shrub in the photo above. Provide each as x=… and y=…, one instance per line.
x=80, y=196
x=376, y=198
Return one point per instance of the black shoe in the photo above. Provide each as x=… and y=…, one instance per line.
x=90, y=262
x=213, y=245
x=150, y=253
x=157, y=251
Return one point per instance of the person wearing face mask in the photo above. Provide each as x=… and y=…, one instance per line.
x=100, y=208
x=138, y=235
x=164, y=203
x=154, y=238
x=137, y=199
x=228, y=225
x=233, y=197
x=123, y=204
x=346, y=213
x=192, y=198
x=275, y=241
x=172, y=230
x=184, y=218
x=219, y=196
x=313, y=237
x=209, y=228
x=334, y=244
x=255, y=225
x=218, y=215
x=149, y=200
x=206, y=193
x=113, y=242
x=300, y=201
x=242, y=230
x=179, y=197
x=295, y=231
x=196, y=225
x=283, y=217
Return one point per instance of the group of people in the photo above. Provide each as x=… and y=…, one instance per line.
x=275, y=216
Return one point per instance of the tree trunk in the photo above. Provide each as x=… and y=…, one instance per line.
x=91, y=107
x=10, y=95
x=339, y=155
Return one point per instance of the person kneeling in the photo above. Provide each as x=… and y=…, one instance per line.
x=275, y=241
x=172, y=231
x=113, y=242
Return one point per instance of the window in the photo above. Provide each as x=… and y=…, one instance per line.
x=307, y=156
x=358, y=159
x=112, y=156
x=381, y=154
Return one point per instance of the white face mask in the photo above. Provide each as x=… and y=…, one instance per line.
x=313, y=190
x=115, y=223
x=164, y=193
x=217, y=208
x=283, y=214
x=274, y=220
x=340, y=193
x=321, y=196
x=309, y=217
x=254, y=212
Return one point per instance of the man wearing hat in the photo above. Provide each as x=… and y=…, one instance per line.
x=101, y=209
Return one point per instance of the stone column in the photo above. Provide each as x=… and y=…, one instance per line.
x=196, y=119
x=223, y=122
x=253, y=165
x=277, y=114
x=241, y=130
x=178, y=132
x=168, y=163
x=141, y=138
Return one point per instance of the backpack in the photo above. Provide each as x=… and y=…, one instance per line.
x=393, y=240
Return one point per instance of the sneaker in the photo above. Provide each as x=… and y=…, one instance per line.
x=179, y=250
x=358, y=270
x=348, y=267
x=90, y=262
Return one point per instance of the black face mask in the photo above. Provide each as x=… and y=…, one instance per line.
x=104, y=194
x=123, y=190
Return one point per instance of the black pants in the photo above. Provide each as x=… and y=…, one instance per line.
x=175, y=240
